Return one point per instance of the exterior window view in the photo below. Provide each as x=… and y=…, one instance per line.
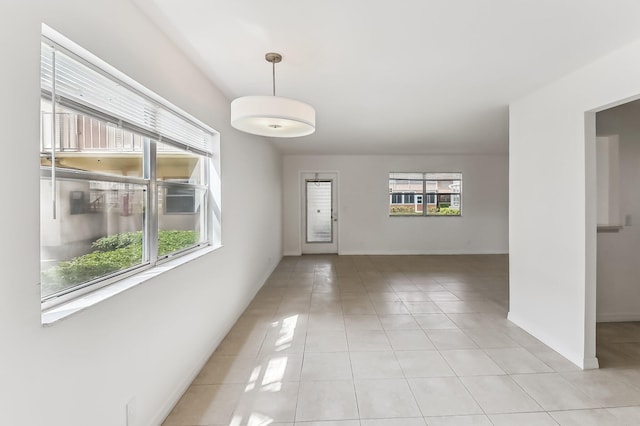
x=425, y=194
x=124, y=182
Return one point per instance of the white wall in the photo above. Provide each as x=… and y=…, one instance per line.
x=148, y=342
x=552, y=233
x=618, y=266
x=364, y=223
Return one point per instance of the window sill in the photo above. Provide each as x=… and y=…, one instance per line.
x=57, y=313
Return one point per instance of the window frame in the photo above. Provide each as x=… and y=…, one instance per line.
x=210, y=237
x=428, y=196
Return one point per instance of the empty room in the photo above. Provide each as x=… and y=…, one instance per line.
x=356, y=213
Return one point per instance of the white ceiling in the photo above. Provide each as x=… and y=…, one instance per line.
x=401, y=77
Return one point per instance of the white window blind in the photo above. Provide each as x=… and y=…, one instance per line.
x=80, y=85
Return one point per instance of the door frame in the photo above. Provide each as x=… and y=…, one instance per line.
x=322, y=174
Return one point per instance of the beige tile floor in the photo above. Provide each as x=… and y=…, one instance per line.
x=402, y=341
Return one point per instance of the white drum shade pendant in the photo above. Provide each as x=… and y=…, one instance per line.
x=273, y=116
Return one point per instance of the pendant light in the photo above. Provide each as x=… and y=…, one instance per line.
x=273, y=116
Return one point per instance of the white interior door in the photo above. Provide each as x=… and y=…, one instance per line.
x=319, y=213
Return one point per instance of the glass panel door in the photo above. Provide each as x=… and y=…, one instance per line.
x=319, y=211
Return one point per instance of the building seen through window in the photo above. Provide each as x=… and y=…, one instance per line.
x=425, y=194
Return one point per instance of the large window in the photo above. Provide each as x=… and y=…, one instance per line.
x=425, y=194
x=125, y=177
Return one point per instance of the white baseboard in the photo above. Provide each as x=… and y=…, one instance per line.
x=342, y=252
x=175, y=396
x=617, y=317
x=416, y=252
x=591, y=363
x=576, y=359
x=264, y=279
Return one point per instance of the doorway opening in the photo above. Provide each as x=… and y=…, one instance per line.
x=319, y=212
x=618, y=236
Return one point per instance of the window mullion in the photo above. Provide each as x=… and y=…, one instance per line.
x=54, y=130
x=206, y=223
x=151, y=243
x=424, y=195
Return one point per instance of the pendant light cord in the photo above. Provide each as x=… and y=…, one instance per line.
x=273, y=65
x=274, y=58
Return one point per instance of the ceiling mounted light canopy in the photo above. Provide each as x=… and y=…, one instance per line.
x=273, y=116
